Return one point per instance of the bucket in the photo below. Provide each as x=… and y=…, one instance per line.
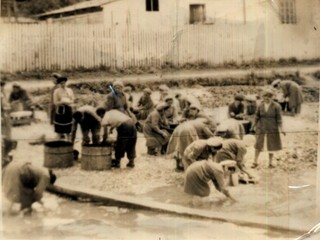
x=58, y=154
x=96, y=157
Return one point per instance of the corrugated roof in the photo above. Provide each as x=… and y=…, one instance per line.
x=78, y=6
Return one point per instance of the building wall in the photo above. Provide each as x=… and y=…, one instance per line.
x=133, y=14
x=123, y=40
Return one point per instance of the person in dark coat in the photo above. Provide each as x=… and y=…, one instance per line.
x=267, y=126
x=145, y=105
x=117, y=99
x=126, y=136
x=157, y=130
x=200, y=173
x=63, y=99
x=172, y=112
x=89, y=119
x=163, y=91
x=201, y=149
x=184, y=103
x=236, y=109
x=25, y=183
x=292, y=91
x=19, y=99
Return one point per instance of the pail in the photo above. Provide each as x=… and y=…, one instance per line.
x=96, y=157
x=58, y=154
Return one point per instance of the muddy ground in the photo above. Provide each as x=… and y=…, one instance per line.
x=275, y=196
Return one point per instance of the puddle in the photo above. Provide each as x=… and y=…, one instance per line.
x=77, y=220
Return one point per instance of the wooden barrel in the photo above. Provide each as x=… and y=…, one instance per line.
x=96, y=157
x=58, y=154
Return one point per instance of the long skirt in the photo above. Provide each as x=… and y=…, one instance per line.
x=63, y=119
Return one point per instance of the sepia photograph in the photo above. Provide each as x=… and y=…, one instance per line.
x=160, y=119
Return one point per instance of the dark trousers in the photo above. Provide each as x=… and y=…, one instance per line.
x=126, y=141
x=94, y=133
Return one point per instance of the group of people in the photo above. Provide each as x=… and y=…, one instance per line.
x=176, y=124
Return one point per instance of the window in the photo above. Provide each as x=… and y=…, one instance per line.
x=288, y=11
x=197, y=13
x=152, y=5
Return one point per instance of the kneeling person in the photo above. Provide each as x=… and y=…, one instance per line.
x=201, y=150
x=200, y=173
x=24, y=183
x=126, y=136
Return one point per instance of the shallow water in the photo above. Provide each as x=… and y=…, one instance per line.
x=62, y=218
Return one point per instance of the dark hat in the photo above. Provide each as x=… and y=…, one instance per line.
x=62, y=79
x=239, y=97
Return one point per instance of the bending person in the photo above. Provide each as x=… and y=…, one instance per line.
x=200, y=173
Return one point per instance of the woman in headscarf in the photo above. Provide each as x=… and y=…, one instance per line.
x=292, y=91
x=267, y=125
x=145, y=105
x=20, y=99
x=183, y=135
x=156, y=130
x=63, y=99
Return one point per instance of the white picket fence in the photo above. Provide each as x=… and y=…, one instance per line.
x=60, y=47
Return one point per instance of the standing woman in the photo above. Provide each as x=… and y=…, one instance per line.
x=63, y=100
x=267, y=125
x=51, y=107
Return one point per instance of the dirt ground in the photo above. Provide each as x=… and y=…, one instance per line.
x=275, y=196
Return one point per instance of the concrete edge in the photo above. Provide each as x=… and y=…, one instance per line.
x=135, y=203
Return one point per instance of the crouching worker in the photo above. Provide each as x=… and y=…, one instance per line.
x=24, y=183
x=89, y=119
x=126, y=136
x=201, y=150
x=200, y=173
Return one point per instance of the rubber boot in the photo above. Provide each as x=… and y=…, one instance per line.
x=115, y=163
x=152, y=151
x=130, y=163
x=164, y=149
x=179, y=168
